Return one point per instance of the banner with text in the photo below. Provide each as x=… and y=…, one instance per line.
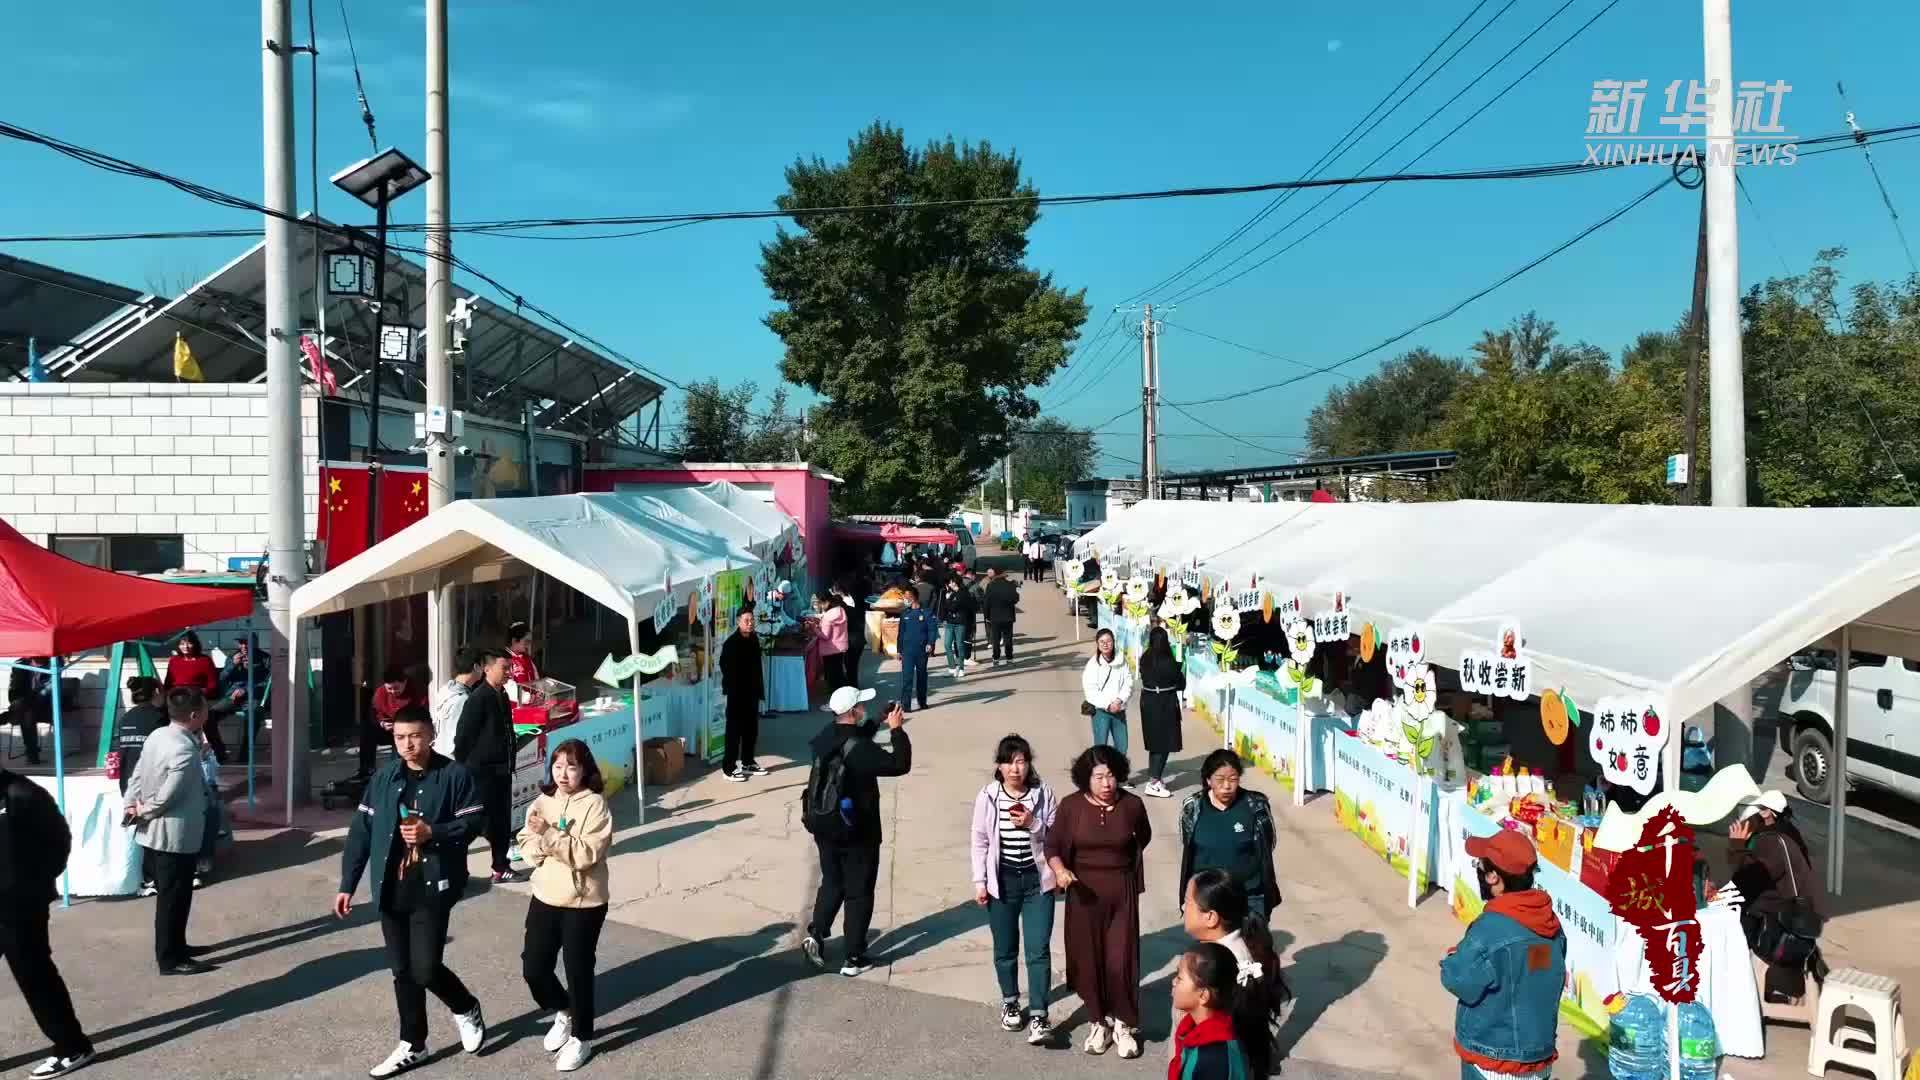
x=1379, y=800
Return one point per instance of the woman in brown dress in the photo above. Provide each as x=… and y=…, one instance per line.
x=1095, y=846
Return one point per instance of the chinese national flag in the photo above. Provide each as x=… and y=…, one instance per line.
x=345, y=497
x=403, y=498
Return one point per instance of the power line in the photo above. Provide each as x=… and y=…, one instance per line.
x=1450, y=312
x=1339, y=147
x=1192, y=292
x=1244, y=442
x=359, y=86
x=1885, y=199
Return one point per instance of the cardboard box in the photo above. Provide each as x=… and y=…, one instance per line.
x=663, y=761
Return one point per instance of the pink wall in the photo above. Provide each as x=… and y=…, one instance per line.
x=798, y=491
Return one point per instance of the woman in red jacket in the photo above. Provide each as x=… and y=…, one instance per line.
x=191, y=666
x=520, y=667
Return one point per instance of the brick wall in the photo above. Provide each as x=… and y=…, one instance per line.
x=157, y=458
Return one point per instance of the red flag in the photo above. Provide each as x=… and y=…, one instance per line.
x=403, y=497
x=345, y=492
x=322, y=373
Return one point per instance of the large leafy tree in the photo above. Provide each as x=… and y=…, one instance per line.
x=1048, y=454
x=1395, y=408
x=921, y=329
x=719, y=424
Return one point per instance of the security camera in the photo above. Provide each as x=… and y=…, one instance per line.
x=464, y=451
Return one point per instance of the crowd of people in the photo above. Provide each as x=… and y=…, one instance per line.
x=1033, y=851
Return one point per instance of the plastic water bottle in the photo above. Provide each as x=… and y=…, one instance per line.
x=1699, y=1043
x=1637, y=1040
x=846, y=810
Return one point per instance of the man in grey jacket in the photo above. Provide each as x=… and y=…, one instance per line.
x=167, y=802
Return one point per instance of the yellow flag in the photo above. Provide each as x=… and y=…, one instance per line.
x=185, y=367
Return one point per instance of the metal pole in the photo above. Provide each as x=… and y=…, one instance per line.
x=59, y=769
x=1151, y=410
x=373, y=387
x=253, y=643
x=1009, y=499
x=286, y=528
x=1837, y=769
x=440, y=475
x=1690, y=418
x=1726, y=392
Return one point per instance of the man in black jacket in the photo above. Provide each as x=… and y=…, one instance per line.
x=1001, y=603
x=30, y=701
x=850, y=858
x=742, y=681
x=414, y=824
x=34, y=841
x=484, y=744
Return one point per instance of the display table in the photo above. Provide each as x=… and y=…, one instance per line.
x=787, y=682
x=105, y=860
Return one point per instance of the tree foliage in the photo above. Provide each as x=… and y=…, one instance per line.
x=1048, y=454
x=1832, y=404
x=921, y=330
x=721, y=424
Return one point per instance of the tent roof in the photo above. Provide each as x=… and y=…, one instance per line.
x=621, y=549
x=1689, y=603
x=51, y=605
x=754, y=523
x=892, y=532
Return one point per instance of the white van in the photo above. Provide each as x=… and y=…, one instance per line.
x=1883, y=723
x=965, y=555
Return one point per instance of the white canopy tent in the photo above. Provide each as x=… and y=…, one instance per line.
x=758, y=525
x=1689, y=604
x=620, y=549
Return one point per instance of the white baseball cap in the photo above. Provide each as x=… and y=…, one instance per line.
x=1772, y=801
x=845, y=698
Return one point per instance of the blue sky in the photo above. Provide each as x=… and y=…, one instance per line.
x=600, y=108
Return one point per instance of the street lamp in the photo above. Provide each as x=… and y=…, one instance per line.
x=377, y=181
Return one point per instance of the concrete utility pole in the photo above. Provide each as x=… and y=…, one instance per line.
x=1149, y=433
x=1009, y=500
x=286, y=523
x=440, y=481
x=1690, y=419
x=1726, y=384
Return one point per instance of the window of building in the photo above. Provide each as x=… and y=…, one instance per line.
x=137, y=553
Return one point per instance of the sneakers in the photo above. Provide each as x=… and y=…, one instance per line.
x=1157, y=788
x=1039, y=1032
x=473, y=1030
x=404, y=1057
x=147, y=888
x=815, y=950
x=1010, y=1016
x=754, y=768
x=738, y=775
x=1099, y=1039
x=507, y=877
x=559, y=1033
x=855, y=966
x=573, y=1055
x=1126, y=1040
x=60, y=1066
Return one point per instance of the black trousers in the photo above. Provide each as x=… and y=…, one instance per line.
x=847, y=877
x=496, y=791
x=27, y=716
x=172, y=904
x=23, y=937
x=416, y=950
x=1001, y=634
x=372, y=738
x=743, y=733
x=569, y=935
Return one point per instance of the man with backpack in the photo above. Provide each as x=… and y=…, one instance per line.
x=841, y=808
x=34, y=841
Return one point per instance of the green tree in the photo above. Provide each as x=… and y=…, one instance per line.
x=921, y=330
x=720, y=424
x=1395, y=408
x=1048, y=454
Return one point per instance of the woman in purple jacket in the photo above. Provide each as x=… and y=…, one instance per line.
x=1012, y=880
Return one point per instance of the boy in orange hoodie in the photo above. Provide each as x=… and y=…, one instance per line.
x=1508, y=969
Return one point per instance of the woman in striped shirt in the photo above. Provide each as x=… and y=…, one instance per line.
x=1012, y=880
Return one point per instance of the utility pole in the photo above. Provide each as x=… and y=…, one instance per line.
x=1726, y=383
x=286, y=523
x=440, y=481
x=1690, y=494
x=1149, y=435
x=1009, y=499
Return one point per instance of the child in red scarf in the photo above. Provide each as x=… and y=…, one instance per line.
x=1206, y=989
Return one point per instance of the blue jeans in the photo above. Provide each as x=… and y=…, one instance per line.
x=1110, y=728
x=953, y=638
x=913, y=678
x=1022, y=911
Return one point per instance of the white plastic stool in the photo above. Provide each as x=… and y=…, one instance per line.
x=1878, y=1046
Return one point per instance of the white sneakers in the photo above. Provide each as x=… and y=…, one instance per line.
x=1099, y=1039
x=1112, y=1033
x=60, y=1066
x=573, y=1055
x=560, y=1033
x=404, y=1057
x=1157, y=789
x=473, y=1030
x=1126, y=1040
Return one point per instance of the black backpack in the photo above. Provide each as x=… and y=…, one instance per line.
x=820, y=810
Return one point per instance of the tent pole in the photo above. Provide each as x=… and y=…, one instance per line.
x=59, y=772
x=1837, y=768
x=285, y=735
x=639, y=729
x=253, y=643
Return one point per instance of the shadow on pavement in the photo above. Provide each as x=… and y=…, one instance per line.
x=650, y=839
x=1323, y=974
x=281, y=850
x=901, y=942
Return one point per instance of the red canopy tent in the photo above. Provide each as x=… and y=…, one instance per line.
x=51, y=605
x=891, y=533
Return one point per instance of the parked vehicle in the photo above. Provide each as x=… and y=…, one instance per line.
x=1883, y=723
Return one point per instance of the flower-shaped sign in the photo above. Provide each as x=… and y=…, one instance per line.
x=1109, y=580
x=1419, y=696
x=1299, y=641
x=1074, y=569
x=1139, y=588
x=1226, y=622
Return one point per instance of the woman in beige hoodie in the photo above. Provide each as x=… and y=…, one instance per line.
x=566, y=837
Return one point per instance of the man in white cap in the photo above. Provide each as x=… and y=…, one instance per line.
x=841, y=808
